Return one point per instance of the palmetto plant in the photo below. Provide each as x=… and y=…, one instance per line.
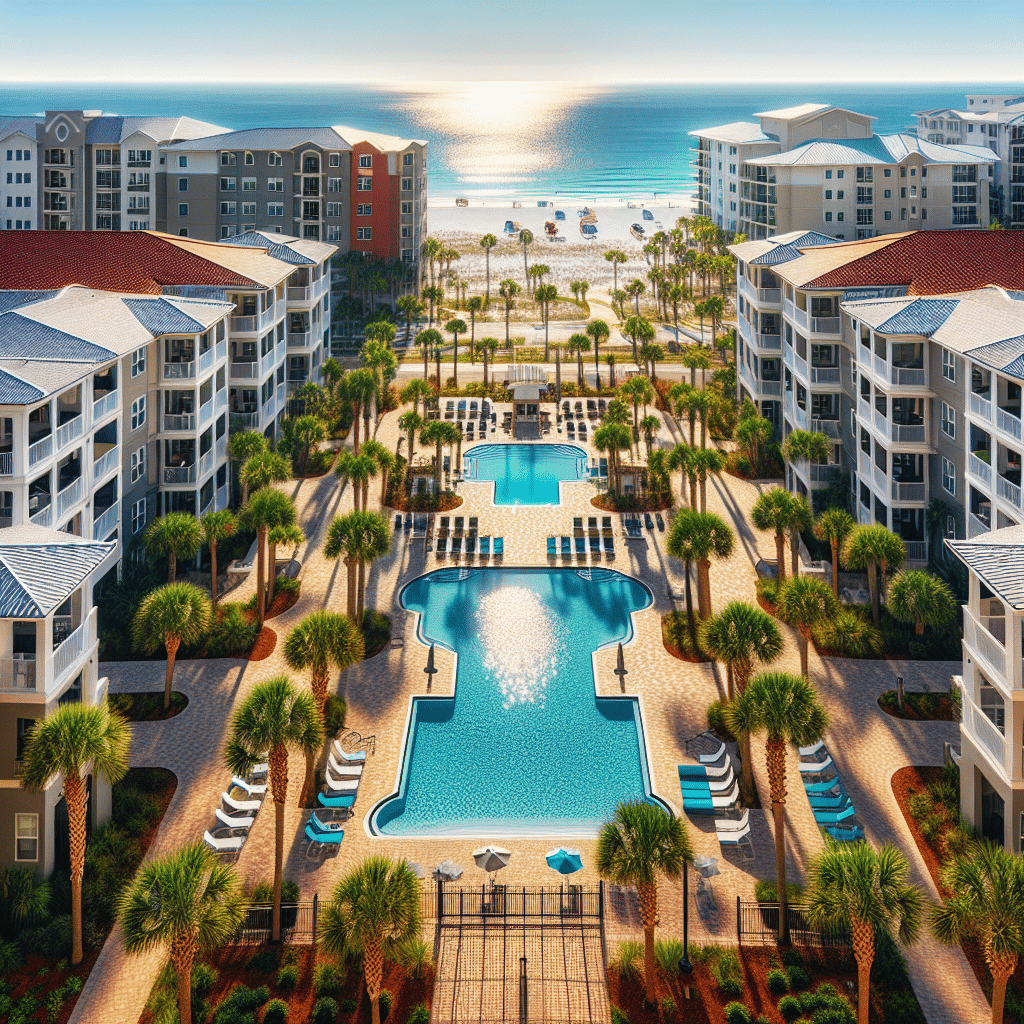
x=640, y=843
x=456, y=327
x=526, y=240
x=217, y=526
x=508, y=290
x=273, y=719
x=288, y=535
x=579, y=343
x=242, y=447
x=173, y=536
x=785, y=708
x=488, y=346
x=357, y=470
x=185, y=901
x=487, y=243
x=72, y=739
x=360, y=389
x=805, y=602
x=358, y=538
x=921, y=598
x=429, y=340
x=834, y=525
x=439, y=433
x=545, y=295
x=872, y=548
x=266, y=509
x=385, y=463
x=702, y=463
x=615, y=257
x=640, y=331
x=867, y=891
x=754, y=432
x=172, y=615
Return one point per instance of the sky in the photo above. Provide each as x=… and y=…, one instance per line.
x=407, y=41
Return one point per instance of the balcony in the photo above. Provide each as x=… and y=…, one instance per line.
x=220, y=401
x=771, y=342
x=42, y=517
x=6, y=463
x=69, y=497
x=824, y=374
x=830, y=428
x=244, y=371
x=979, y=469
x=106, y=521
x=917, y=550
x=981, y=407
x=41, y=449
x=18, y=673
x=863, y=465
x=72, y=649
x=253, y=323
x=796, y=363
x=179, y=371
x=773, y=295
x=179, y=421
x=799, y=316
x=880, y=421
x=1008, y=491
x=206, y=463
x=907, y=377
x=772, y=388
x=280, y=395
x=982, y=643
x=222, y=447
x=68, y=432
x=246, y=420
x=880, y=365
x=206, y=413
x=206, y=360
x=300, y=294
x=881, y=478
x=106, y=462
x=299, y=340
x=104, y=406
x=982, y=732
x=909, y=433
x=1008, y=423
x=222, y=496
x=831, y=325
x=911, y=490
x=180, y=474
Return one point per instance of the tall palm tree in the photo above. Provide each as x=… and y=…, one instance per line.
x=871, y=548
x=637, y=845
x=361, y=387
x=342, y=542
x=409, y=306
x=650, y=354
x=431, y=250
x=680, y=395
x=754, y=432
x=358, y=471
x=429, y=340
x=921, y=598
x=217, y=526
x=508, y=290
x=410, y=422
x=649, y=426
x=695, y=358
x=636, y=288
x=615, y=257
x=640, y=331
x=579, y=343
x=382, y=331
x=288, y=535
x=358, y=537
x=456, y=327
x=308, y=431
x=434, y=294
x=70, y=740
x=439, y=433
x=385, y=463
x=987, y=905
x=266, y=509
x=785, y=708
x=801, y=518
x=699, y=537
x=474, y=306
x=273, y=719
x=415, y=391
x=598, y=332
x=834, y=525
x=703, y=462
x=185, y=901
x=487, y=243
x=806, y=444
x=262, y=470
x=526, y=239
x=773, y=510
x=374, y=908
x=173, y=536
x=545, y=295
x=488, y=346
x=637, y=390
x=805, y=602
x=242, y=446
x=613, y=438
x=867, y=891
x=172, y=615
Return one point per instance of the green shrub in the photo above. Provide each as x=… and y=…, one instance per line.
x=276, y=1012
x=54, y=1003
x=204, y=978
x=931, y=826
x=737, y=1013
x=376, y=632
x=619, y=1016
x=668, y=1005
x=767, y=891
x=419, y=1015
x=51, y=940
x=943, y=792
x=902, y=1008
x=240, y=1004
x=667, y=953
x=328, y=979
x=324, y=1011
x=799, y=979
x=11, y=957
x=790, y=1008
x=793, y=958
x=777, y=982
x=848, y=634
x=334, y=714
x=629, y=959
x=920, y=806
x=266, y=961
x=768, y=589
x=416, y=957
x=286, y=585
x=233, y=635
x=957, y=841
x=347, y=1006
x=716, y=720
x=384, y=1001
x=264, y=893
x=836, y=1013
x=727, y=973
x=287, y=978
x=763, y=1019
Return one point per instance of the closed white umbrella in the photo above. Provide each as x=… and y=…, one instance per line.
x=491, y=859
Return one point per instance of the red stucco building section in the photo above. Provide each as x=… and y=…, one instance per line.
x=384, y=198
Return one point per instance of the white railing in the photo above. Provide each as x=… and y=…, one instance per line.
x=864, y=411
x=863, y=465
x=42, y=449
x=771, y=387
x=830, y=428
x=881, y=477
x=244, y=324
x=104, y=463
x=179, y=421
x=206, y=413
x=769, y=295
x=297, y=339
x=1009, y=491
x=982, y=643
x=267, y=362
x=222, y=350
x=821, y=472
x=6, y=463
x=18, y=673
x=208, y=507
x=908, y=433
x=745, y=331
x=982, y=470
x=104, y=406
x=179, y=371
x=299, y=294
x=800, y=316
x=981, y=406
x=244, y=371
x=907, y=377
x=206, y=463
x=826, y=325
x=206, y=360
x=247, y=420
x=788, y=308
x=881, y=422
x=222, y=496
x=1008, y=423
x=44, y=517
x=106, y=522
x=280, y=395
x=180, y=474
x=220, y=400
x=824, y=374
x=67, y=432
x=917, y=550
x=880, y=365
x=69, y=497
x=65, y=656
x=772, y=342
x=911, y=491
x=981, y=729
x=745, y=375
x=975, y=526
x=222, y=447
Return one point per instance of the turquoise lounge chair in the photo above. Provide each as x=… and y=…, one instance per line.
x=337, y=802
x=845, y=835
x=499, y=547
x=824, y=818
x=581, y=547
x=827, y=801
x=552, y=548
x=485, y=546
x=822, y=787
x=323, y=840
x=566, y=547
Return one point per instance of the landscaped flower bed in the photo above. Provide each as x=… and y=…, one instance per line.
x=918, y=707
x=147, y=707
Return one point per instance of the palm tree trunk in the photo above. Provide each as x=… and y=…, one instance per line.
x=373, y=973
x=647, y=896
x=172, y=643
x=355, y=427
x=172, y=566
x=748, y=791
x=780, y=557
x=279, y=788
x=693, y=491
x=426, y=365
x=876, y=610
x=213, y=576
x=183, y=955
x=804, y=646
x=689, y=611
x=75, y=800
x=835, y=567
x=437, y=471
x=455, y=359
x=776, y=757
x=383, y=485
x=864, y=953
x=487, y=293
x=703, y=492
x=261, y=570
x=794, y=551
x=1002, y=968
x=271, y=575
x=704, y=587
x=597, y=366
x=350, y=564
x=362, y=593
x=485, y=367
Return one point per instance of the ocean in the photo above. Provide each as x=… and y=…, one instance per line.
x=512, y=140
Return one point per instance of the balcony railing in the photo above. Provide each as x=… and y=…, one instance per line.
x=976, y=525
x=771, y=387
x=908, y=433
x=222, y=496
x=824, y=374
x=42, y=449
x=983, y=643
x=979, y=727
x=244, y=371
x=800, y=316
x=907, y=377
x=206, y=413
x=917, y=550
x=769, y=295
x=222, y=447
x=67, y=432
x=179, y=371
x=206, y=463
x=981, y=406
x=1008, y=423
x=1008, y=491
x=249, y=324
x=881, y=477
x=220, y=400
x=911, y=491
x=106, y=521
x=246, y=420
x=206, y=360
x=771, y=342
x=863, y=465
x=43, y=517
x=179, y=421
x=69, y=497
x=830, y=428
x=6, y=463
x=180, y=474
x=880, y=421
x=826, y=325
x=65, y=656
x=104, y=405
x=982, y=470
x=299, y=294
x=104, y=463
x=299, y=339
x=880, y=365
x=18, y=673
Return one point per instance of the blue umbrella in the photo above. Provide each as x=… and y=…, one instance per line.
x=565, y=861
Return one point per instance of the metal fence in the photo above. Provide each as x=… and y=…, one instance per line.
x=760, y=922
x=501, y=903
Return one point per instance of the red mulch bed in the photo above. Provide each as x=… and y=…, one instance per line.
x=913, y=713
x=148, y=707
x=264, y=646
x=417, y=503
x=670, y=644
x=649, y=503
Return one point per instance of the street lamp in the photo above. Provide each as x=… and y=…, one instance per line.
x=685, y=967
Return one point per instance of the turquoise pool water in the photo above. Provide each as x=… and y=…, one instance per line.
x=526, y=474
x=525, y=747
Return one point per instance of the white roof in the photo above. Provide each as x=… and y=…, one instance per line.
x=996, y=559
x=738, y=131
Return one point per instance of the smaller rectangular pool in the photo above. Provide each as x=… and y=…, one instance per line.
x=526, y=474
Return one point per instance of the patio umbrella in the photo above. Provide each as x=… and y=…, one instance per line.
x=430, y=669
x=417, y=869
x=620, y=668
x=448, y=871
x=564, y=860
x=491, y=859
x=705, y=866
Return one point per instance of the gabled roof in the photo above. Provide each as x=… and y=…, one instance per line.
x=112, y=129
x=264, y=138
x=738, y=131
x=996, y=558
x=15, y=391
x=879, y=149
x=24, y=338
x=1006, y=356
x=779, y=248
x=298, y=251
x=384, y=143
x=800, y=110
x=159, y=317
x=10, y=126
x=40, y=569
x=249, y=262
x=919, y=317
x=11, y=300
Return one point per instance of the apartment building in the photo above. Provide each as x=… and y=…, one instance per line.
x=996, y=121
x=50, y=655
x=19, y=179
x=821, y=168
x=879, y=345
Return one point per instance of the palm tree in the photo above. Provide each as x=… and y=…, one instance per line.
x=288, y=535
x=699, y=537
x=307, y=431
x=429, y=340
x=921, y=598
x=615, y=257
x=636, y=288
x=649, y=426
x=867, y=891
x=385, y=463
x=409, y=306
x=870, y=548
x=639, y=331
x=508, y=290
x=834, y=525
x=356, y=470
x=434, y=295
x=273, y=718
x=773, y=510
x=262, y=470
x=266, y=509
x=375, y=907
x=474, y=305
x=414, y=391
x=526, y=238
x=613, y=438
x=172, y=615
x=638, y=390
x=431, y=250
x=545, y=295
x=702, y=462
x=72, y=739
x=358, y=537
x=695, y=358
x=801, y=518
x=805, y=444
x=381, y=331
x=217, y=526
x=805, y=602
x=456, y=327
x=439, y=433
x=242, y=446
x=598, y=332
x=986, y=905
x=361, y=388
x=489, y=346
x=173, y=536
x=487, y=243
x=579, y=343
x=650, y=353
x=754, y=432
x=342, y=542
x=785, y=708
x=637, y=845
x=185, y=901
x=679, y=458
x=410, y=422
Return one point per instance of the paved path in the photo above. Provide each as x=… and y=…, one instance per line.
x=867, y=745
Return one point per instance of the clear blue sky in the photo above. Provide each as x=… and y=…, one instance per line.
x=425, y=40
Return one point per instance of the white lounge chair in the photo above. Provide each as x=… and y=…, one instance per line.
x=737, y=839
x=242, y=821
x=712, y=758
x=260, y=769
x=342, y=786
x=250, y=787
x=719, y=771
x=240, y=806
x=812, y=750
x=727, y=825
x=724, y=784
x=816, y=767
x=727, y=799
x=343, y=770
x=227, y=844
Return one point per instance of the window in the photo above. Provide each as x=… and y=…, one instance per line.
x=865, y=174
x=334, y=160
x=913, y=191
x=407, y=184
x=924, y=192
x=274, y=160
x=888, y=193
x=334, y=233
x=407, y=159
x=828, y=175
x=840, y=173
x=275, y=209
x=888, y=214
x=182, y=209
x=138, y=412
x=828, y=193
x=949, y=476
x=903, y=213
x=138, y=362
x=965, y=194
x=248, y=184
x=227, y=159
x=364, y=209
x=183, y=232
x=138, y=515
x=227, y=184
x=407, y=255
x=965, y=215
x=334, y=209
x=182, y=160
x=275, y=184
x=865, y=195
x=406, y=207
x=840, y=194
x=948, y=366
x=948, y=421
x=839, y=215
x=183, y=184
x=334, y=184
x=366, y=184
x=364, y=234
x=406, y=231
x=828, y=216
x=26, y=837
x=228, y=209
x=248, y=209
x=249, y=160
x=366, y=160
x=887, y=172
x=138, y=464
x=865, y=216
x=992, y=705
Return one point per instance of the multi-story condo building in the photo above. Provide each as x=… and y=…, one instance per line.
x=821, y=168
x=863, y=342
x=996, y=121
x=49, y=657
x=19, y=178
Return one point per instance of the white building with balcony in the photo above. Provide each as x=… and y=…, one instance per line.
x=48, y=656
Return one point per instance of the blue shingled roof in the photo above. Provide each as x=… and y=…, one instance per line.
x=159, y=317
x=922, y=316
x=779, y=254
x=35, y=579
x=12, y=300
x=22, y=338
x=14, y=391
x=1006, y=355
x=275, y=249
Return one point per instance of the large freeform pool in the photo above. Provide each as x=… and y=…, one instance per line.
x=526, y=474
x=525, y=747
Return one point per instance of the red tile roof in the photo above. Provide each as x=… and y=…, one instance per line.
x=936, y=263
x=130, y=261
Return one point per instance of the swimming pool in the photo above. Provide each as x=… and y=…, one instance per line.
x=525, y=747
x=526, y=474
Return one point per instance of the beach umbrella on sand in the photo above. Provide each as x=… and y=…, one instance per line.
x=491, y=859
x=448, y=871
x=564, y=860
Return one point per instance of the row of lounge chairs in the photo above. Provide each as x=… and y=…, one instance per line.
x=632, y=526
x=571, y=431
x=709, y=788
x=341, y=786
x=830, y=803
x=592, y=542
x=471, y=546
x=473, y=410
x=237, y=813
x=595, y=408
